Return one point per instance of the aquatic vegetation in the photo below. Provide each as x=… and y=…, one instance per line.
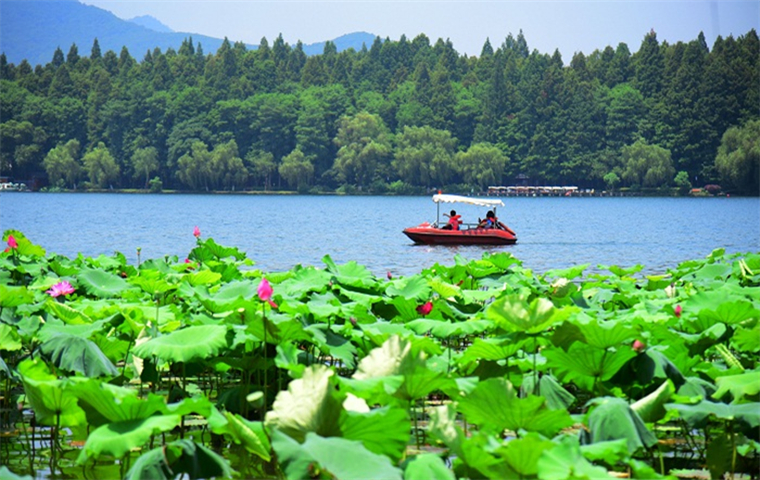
x=209, y=367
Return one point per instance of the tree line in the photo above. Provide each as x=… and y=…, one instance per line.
x=398, y=116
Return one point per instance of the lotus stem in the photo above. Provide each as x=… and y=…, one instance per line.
x=264, y=315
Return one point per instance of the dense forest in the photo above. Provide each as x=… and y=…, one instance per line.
x=399, y=116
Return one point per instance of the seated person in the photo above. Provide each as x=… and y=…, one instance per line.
x=489, y=222
x=454, y=221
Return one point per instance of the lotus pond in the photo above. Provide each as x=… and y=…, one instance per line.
x=208, y=367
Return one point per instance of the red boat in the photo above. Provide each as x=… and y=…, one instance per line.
x=468, y=234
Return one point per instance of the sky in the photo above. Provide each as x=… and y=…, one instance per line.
x=568, y=25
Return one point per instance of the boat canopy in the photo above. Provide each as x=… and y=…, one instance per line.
x=480, y=202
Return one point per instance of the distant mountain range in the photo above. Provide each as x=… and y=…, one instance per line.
x=33, y=29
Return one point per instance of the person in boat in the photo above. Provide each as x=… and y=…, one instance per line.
x=454, y=221
x=492, y=221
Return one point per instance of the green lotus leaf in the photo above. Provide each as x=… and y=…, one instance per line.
x=697, y=415
x=11, y=296
x=6, y=474
x=185, y=345
x=49, y=397
x=324, y=305
x=350, y=274
x=152, y=285
x=565, y=461
x=204, y=277
x=118, y=438
x=102, y=284
x=337, y=457
x=210, y=250
x=25, y=246
x=494, y=348
x=740, y=386
x=308, y=405
x=398, y=357
x=494, y=406
x=747, y=339
x=515, y=313
x=384, y=431
x=606, y=334
x=335, y=345
x=555, y=394
x=444, y=289
x=9, y=339
x=427, y=466
x=105, y=403
x=305, y=281
x=614, y=419
x=446, y=329
x=412, y=288
x=583, y=364
x=568, y=273
x=67, y=313
x=652, y=407
x=249, y=434
x=610, y=452
x=523, y=454
x=76, y=354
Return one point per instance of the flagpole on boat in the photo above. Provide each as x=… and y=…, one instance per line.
x=437, y=211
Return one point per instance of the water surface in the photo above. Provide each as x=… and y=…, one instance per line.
x=278, y=232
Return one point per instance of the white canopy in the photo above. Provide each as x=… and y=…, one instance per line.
x=480, y=202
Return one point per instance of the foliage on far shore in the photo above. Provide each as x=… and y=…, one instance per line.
x=404, y=114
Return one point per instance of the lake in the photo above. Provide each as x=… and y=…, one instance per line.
x=281, y=231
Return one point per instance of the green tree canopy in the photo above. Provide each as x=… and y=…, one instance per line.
x=101, y=167
x=738, y=159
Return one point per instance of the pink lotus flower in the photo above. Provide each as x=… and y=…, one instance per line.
x=638, y=346
x=60, y=288
x=389, y=275
x=197, y=232
x=678, y=311
x=12, y=243
x=425, y=308
x=265, y=292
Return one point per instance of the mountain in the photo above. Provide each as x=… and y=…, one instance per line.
x=151, y=23
x=33, y=29
x=344, y=42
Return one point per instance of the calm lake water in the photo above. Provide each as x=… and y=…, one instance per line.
x=279, y=232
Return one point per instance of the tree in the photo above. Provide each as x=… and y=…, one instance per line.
x=296, y=170
x=482, y=165
x=738, y=159
x=364, y=148
x=144, y=161
x=193, y=168
x=61, y=164
x=101, y=167
x=682, y=182
x=647, y=165
x=227, y=169
x=425, y=156
x=261, y=166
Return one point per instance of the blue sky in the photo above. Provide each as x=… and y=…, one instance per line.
x=568, y=25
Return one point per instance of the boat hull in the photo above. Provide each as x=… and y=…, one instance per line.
x=474, y=236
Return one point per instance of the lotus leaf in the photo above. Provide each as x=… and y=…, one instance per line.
x=25, y=246
x=384, y=431
x=11, y=296
x=49, y=397
x=204, y=277
x=445, y=329
x=118, y=438
x=584, y=364
x=515, y=313
x=740, y=386
x=697, y=415
x=412, y=288
x=105, y=403
x=305, y=281
x=607, y=334
x=185, y=345
x=427, y=466
x=350, y=274
x=565, y=461
x=308, y=405
x=6, y=474
x=497, y=348
x=76, y=354
x=652, y=407
x=555, y=394
x=249, y=434
x=610, y=452
x=102, y=284
x=614, y=419
x=9, y=339
x=494, y=406
x=523, y=454
x=445, y=289
x=331, y=455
